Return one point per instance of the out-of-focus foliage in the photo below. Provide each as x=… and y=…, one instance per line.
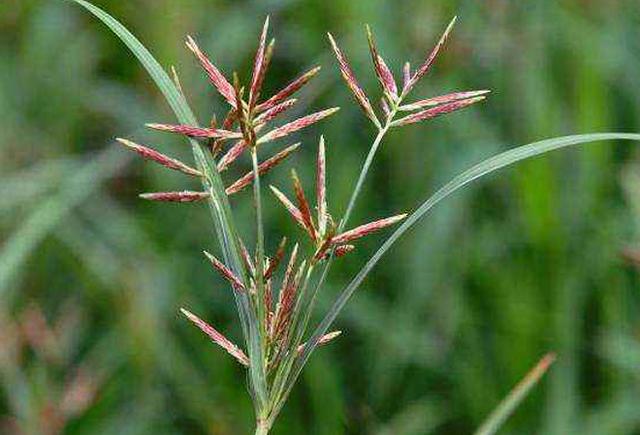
x=529, y=262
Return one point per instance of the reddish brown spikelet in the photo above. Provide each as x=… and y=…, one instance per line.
x=38, y=334
x=406, y=76
x=286, y=291
x=276, y=110
x=385, y=107
x=366, y=229
x=296, y=125
x=385, y=77
x=422, y=70
x=184, y=196
x=321, y=187
x=246, y=257
x=190, y=131
x=227, y=124
x=263, y=168
x=540, y=368
x=292, y=209
x=343, y=250
x=352, y=83
x=219, y=81
x=232, y=155
x=166, y=161
x=79, y=393
x=323, y=249
x=288, y=90
x=287, y=302
x=322, y=341
x=443, y=99
x=259, y=66
x=303, y=205
x=436, y=111
x=225, y=272
x=276, y=260
x=218, y=338
x=289, y=271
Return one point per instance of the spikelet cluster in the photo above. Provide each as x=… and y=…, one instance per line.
x=394, y=92
x=276, y=284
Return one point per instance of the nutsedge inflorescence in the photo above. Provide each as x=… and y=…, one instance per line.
x=275, y=302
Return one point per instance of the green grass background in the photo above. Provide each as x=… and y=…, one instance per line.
x=526, y=262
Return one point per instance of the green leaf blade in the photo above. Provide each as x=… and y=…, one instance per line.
x=219, y=205
x=481, y=169
x=508, y=405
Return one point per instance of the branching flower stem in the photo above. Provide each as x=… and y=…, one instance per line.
x=291, y=372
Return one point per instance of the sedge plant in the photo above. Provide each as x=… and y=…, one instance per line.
x=275, y=292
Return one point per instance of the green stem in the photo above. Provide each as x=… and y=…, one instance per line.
x=260, y=238
x=262, y=427
x=363, y=175
x=259, y=300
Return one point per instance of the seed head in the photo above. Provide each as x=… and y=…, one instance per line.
x=385, y=77
x=437, y=111
x=288, y=90
x=292, y=209
x=276, y=110
x=303, y=206
x=184, y=196
x=321, y=187
x=322, y=341
x=225, y=272
x=217, y=78
x=366, y=229
x=232, y=155
x=263, y=168
x=296, y=125
x=218, y=338
x=190, y=131
x=352, y=83
x=276, y=260
x=443, y=99
x=424, y=68
x=259, y=66
x=166, y=161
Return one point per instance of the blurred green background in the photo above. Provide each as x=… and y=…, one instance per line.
x=530, y=260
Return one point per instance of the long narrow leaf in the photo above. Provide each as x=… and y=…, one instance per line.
x=219, y=204
x=509, y=404
x=483, y=168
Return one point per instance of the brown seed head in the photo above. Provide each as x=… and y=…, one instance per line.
x=219, y=81
x=218, y=338
x=436, y=111
x=288, y=90
x=443, y=99
x=321, y=187
x=385, y=77
x=259, y=66
x=424, y=68
x=263, y=168
x=322, y=341
x=184, y=196
x=296, y=125
x=190, y=131
x=352, y=83
x=303, y=205
x=225, y=272
x=166, y=161
x=366, y=229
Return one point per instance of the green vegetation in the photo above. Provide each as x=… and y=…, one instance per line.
x=527, y=262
